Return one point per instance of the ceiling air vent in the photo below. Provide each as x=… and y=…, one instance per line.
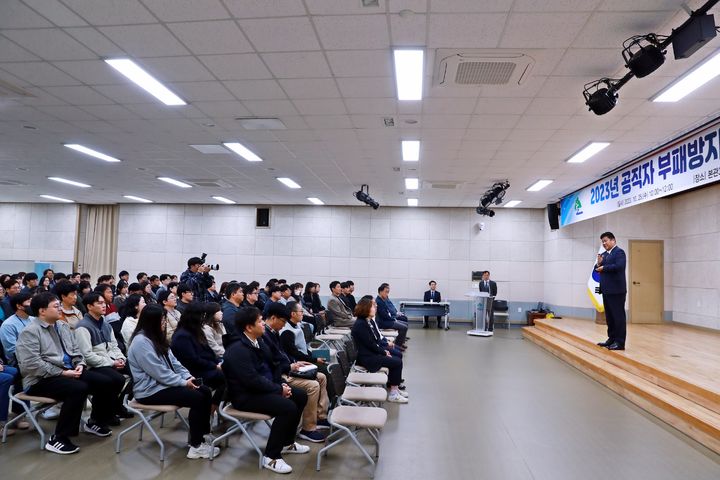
x=11, y=183
x=8, y=90
x=444, y=185
x=210, y=183
x=474, y=68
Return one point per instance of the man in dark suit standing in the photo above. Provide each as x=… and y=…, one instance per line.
x=432, y=295
x=611, y=266
x=487, y=285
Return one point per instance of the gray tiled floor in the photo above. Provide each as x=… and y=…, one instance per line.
x=497, y=408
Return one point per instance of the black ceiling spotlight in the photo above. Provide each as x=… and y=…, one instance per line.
x=643, y=54
x=485, y=211
x=364, y=196
x=495, y=194
x=601, y=95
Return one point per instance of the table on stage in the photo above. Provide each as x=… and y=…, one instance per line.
x=427, y=309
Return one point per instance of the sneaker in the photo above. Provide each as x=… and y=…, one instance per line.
x=404, y=393
x=96, y=429
x=395, y=397
x=61, y=445
x=277, y=465
x=323, y=424
x=53, y=412
x=312, y=436
x=203, y=451
x=114, y=421
x=296, y=448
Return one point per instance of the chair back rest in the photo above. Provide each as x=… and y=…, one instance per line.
x=307, y=332
x=500, y=305
x=351, y=350
x=343, y=362
x=337, y=378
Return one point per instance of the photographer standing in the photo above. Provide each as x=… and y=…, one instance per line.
x=197, y=277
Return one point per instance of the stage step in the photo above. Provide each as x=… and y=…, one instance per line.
x=654, y=374
x=697, y=422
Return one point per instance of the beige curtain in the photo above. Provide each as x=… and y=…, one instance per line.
x=98, y=239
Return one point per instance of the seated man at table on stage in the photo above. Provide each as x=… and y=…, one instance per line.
x=433, y=296
x=487, y=285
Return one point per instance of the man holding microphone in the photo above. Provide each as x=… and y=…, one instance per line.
x=613, y=287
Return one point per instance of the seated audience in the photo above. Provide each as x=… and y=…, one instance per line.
x=129, y=315
x=105, y=291
x=52, y=366
x=191, y=348
x=285, y=294
x=254, y=386
x=12, y=326
x=69, y=313
x=316, y=409
x=251, y=295
x=234, y=299
x=168, y=300
x=214, y=328
x=372, y=353
x=212, y=295
x=273, y=297
x=12, y=288
x=185, y=296
x=387, y=315
x=339, y=314
x=121, y=294
x=7, y=378
x=159, y=379
x=30, y=283
x=97, y=344
x=348, y=296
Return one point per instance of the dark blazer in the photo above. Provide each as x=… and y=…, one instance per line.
x=349, y=301
x=612, y=278
x=437, y=297
x=280, y=360
x=370, y=351
x=247, y=369
x=383, y=317
x=492, y=290
x=199, y=359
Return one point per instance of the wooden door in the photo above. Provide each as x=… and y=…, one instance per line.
x=646, y=287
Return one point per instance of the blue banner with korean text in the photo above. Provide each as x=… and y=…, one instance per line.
x=688, y=163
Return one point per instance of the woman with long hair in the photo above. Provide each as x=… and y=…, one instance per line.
x=213, y=328
x=168, y=300
x=159, y=379
x=129, y=315
x=192, y=349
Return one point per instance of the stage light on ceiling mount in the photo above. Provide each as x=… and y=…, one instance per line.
x=494, y=194
x=364, y=196
x=643, y=54
x=601, y=95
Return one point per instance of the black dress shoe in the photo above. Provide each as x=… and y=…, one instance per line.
x=425, y=325
x=605, y=343
x=616, y=346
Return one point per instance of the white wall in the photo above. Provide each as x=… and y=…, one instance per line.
x=39, y=232
x=403, y=246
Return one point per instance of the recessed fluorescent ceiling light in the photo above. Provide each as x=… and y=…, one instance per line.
x=409, y=73
x=315, y=201
x=691, y=81
x=137, y=199
x=145, y=81
x=539, y=185
x=412, y=183
x=224, y=200
x=261, y=123
x=411, y=150
x=212, y=149
x=91, y=152
x=172, y=181
x=512, y=203
x=243, y=151
x=412, y=202
x=288, y=182
x=588, y=152
x=57, y=199
x=69, y=182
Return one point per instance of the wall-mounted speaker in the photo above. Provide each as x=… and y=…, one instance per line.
x=553, y=211
x=262, y=217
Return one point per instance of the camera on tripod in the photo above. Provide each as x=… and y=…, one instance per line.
x=212, y=267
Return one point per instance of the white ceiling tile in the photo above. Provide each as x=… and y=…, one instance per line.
x=484, y=135
x=494, y=121
x=447, y=105
x=10, y=52
x=564, y=87
x=91, y=72
x=110, y=112
x=542, y=122
x=67, y=113
x=555, y=106
x=271, y=108
x=445, y=121
x=187, y=10
x=176, y=69
x=211, y=38
x=125, y=94
x=38, y=74
x=17, y=15
x=265, y=8
x=256, y=89
x=640, y=5
x=408, y=31
x=297, y=65
x=153, y=111
x=332, y=106
x=310, y=88
x=145, y=40
x=595, y=62
x=502, y=106
x=367, y=87
x=201, y=91
x=297, y=34
x=40, y=97
x=465, y=30
x=363, y=63
x=95, y=41
x=78, y=95
x=236, y=67
x=556, y=5
x=417, y=6
x=352, y=32
x=542, y=30
x=609, y=30
x=329, y=122
x=470, y=6
x=123, y=12
x=223, y=109
x=379, y=106
x=50, y=44
x=56, y=12
x=332, y=7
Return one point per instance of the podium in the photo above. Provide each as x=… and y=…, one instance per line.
x=481, y=316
